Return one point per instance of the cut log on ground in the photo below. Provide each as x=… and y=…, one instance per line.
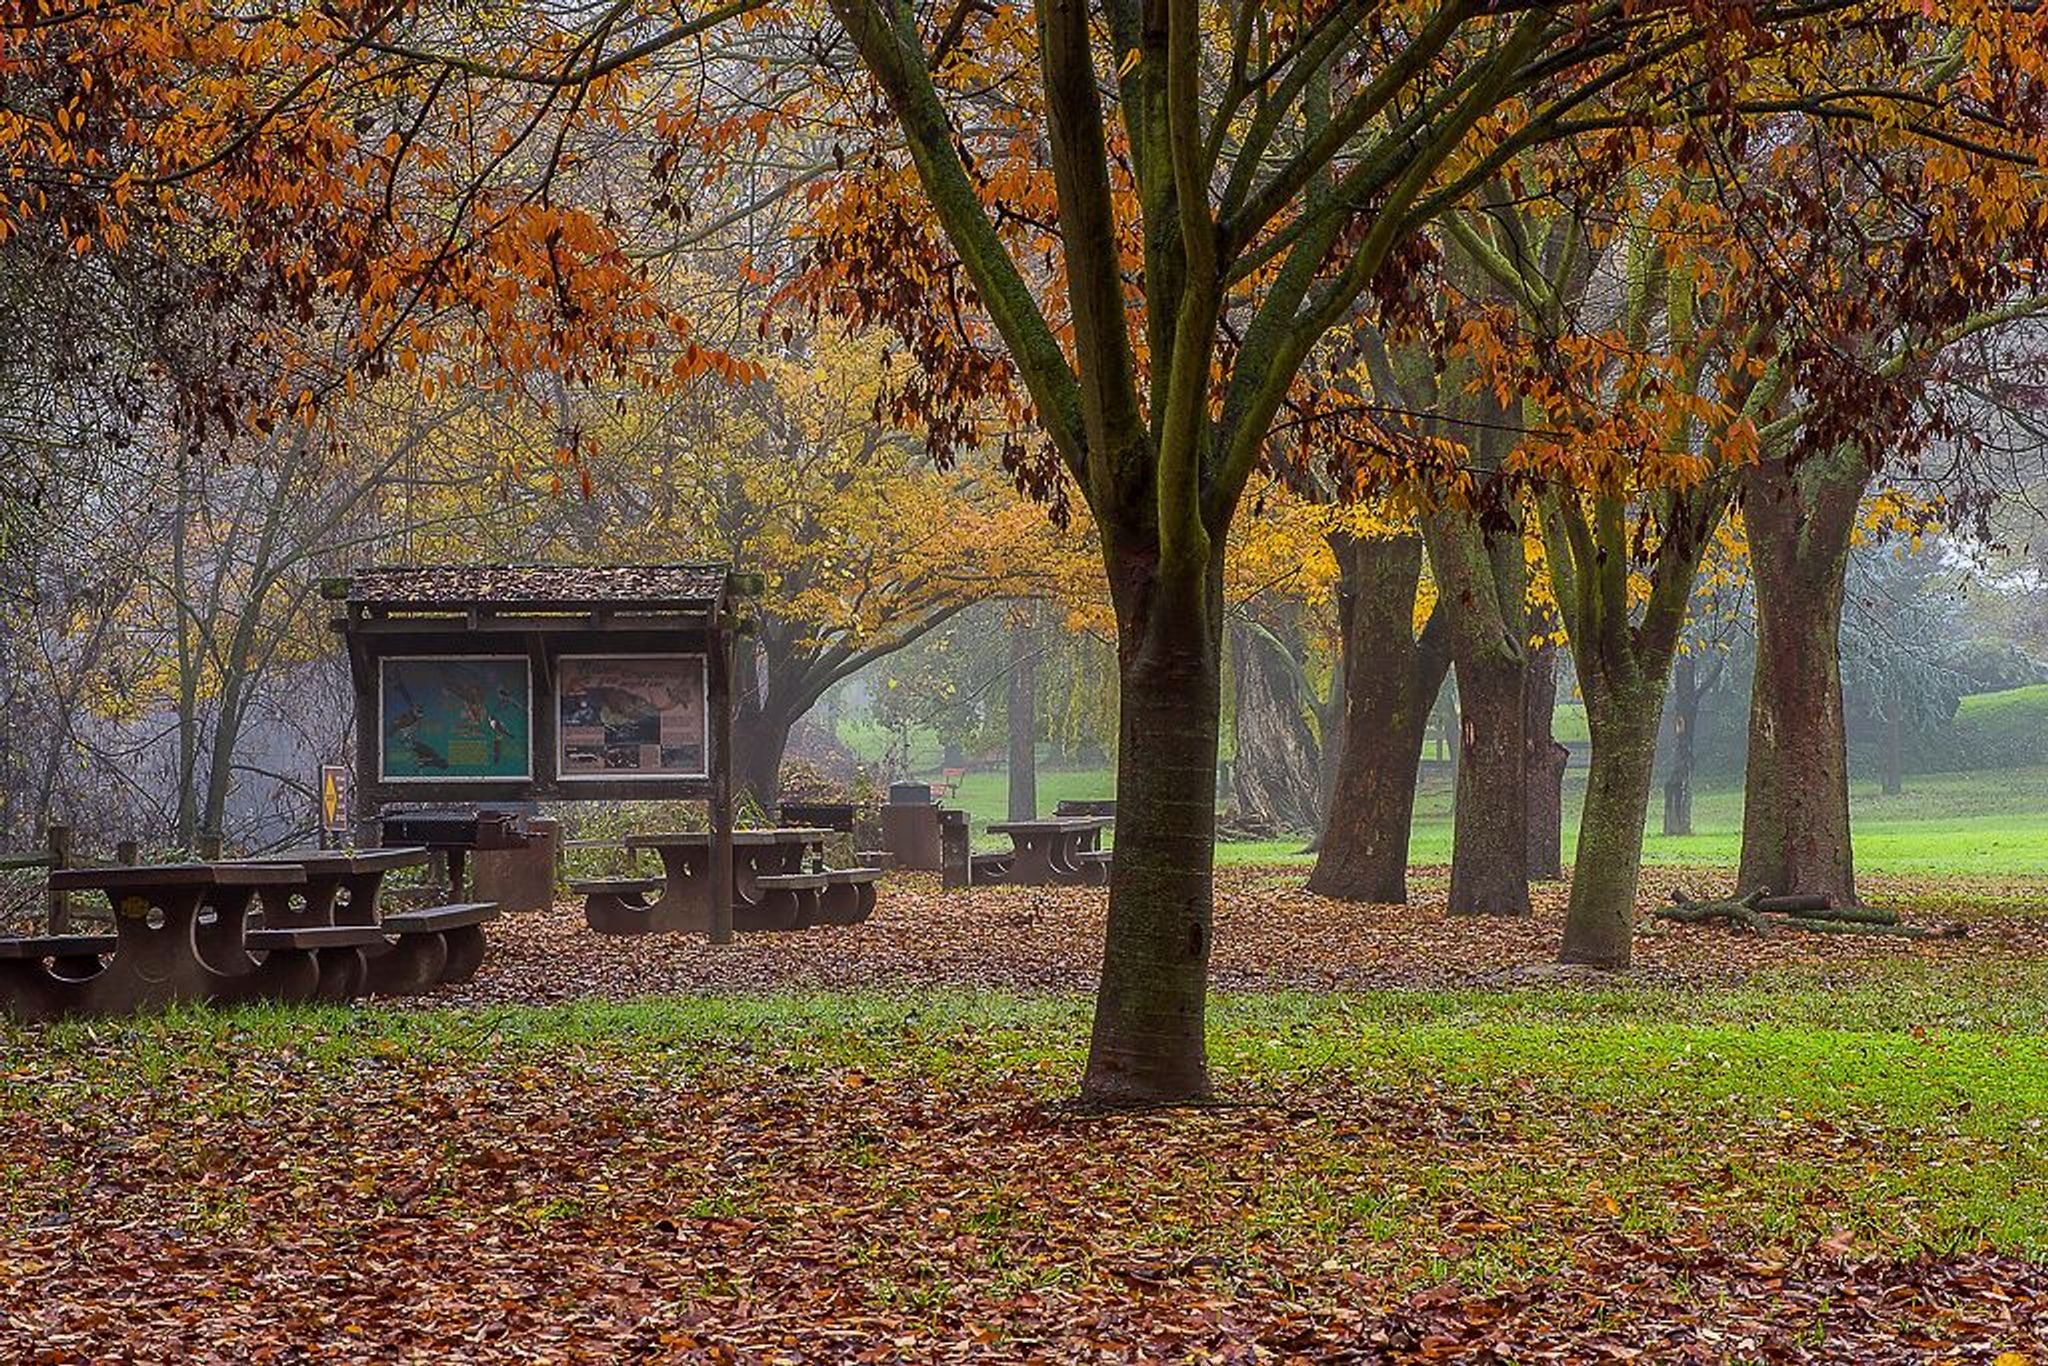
x=1758, y=912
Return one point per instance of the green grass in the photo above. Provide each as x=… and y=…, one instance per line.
x=985, y=793
x=1990, y=823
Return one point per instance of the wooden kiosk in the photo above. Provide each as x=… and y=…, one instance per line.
x=483, y=684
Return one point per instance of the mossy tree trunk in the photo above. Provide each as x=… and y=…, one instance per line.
x=1623, y=657
x=1148, y=1037
x=1795, y=800
x=1160, y=455
x=1546, y=765
x=1392, y=675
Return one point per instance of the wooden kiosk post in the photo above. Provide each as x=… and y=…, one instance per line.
x=493, y=684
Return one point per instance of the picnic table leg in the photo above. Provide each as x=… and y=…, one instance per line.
x=342, y=974
x=296, y=907
x=355, y=901
x=412, y=966
x=240, y=976
x=1033, y=866
x=156, y=959
x=681, y=906
x=1062, y=856
x=466, y=946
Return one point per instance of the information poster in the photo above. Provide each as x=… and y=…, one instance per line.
x=632, y=716
x=454, y=718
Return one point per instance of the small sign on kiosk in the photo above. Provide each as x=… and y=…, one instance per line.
x=334, y=802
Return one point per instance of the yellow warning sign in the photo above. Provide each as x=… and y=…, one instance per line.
x=333, y=797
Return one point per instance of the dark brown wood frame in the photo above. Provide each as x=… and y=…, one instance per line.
x=544, y=631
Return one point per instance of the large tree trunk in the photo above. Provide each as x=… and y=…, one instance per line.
x=1795, y=801
x=1685, y=719
x=1546, y=764
x=1022, y=717
x=1489, y=832
x=1391, y=680
x=1623, y=655
x=1276, y=773
x=1599, y=922
x=1481, y=577
x=1148, y=1043
x=761, y=724
x=760, y=739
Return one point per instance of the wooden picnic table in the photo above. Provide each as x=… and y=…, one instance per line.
x=342, y=885
x=341, y=890
x=159, y=953
x=771, y=854
x=772, y=888
x=1054, y=853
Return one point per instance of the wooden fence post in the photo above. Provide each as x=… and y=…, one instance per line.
x=59, y=838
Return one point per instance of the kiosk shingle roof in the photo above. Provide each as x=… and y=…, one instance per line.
x=539, y=585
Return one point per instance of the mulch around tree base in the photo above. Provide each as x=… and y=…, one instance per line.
x=1270, y=934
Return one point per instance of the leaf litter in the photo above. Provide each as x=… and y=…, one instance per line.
x=222, y=1196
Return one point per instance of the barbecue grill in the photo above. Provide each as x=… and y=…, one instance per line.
x=453, y=828
x=453, y=831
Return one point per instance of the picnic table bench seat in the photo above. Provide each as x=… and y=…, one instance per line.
x=39, y=972
x=616, y=886
x=781, y=901
x=57, y=946
x=618, y=905
x=849, y=895
x=428, y=946
x=35, y=991
x=439, y=919
x=313, y=937
x=337, y=950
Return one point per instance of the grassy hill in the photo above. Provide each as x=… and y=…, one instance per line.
x=2001, y=729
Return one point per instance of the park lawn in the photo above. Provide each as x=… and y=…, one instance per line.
x=985, y=793
x=1991, y=823
x=894, y=1166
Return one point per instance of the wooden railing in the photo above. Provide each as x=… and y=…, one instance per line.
x=60, y=850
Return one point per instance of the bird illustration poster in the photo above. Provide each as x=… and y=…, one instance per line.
x=632, y=716
x=455, y=718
